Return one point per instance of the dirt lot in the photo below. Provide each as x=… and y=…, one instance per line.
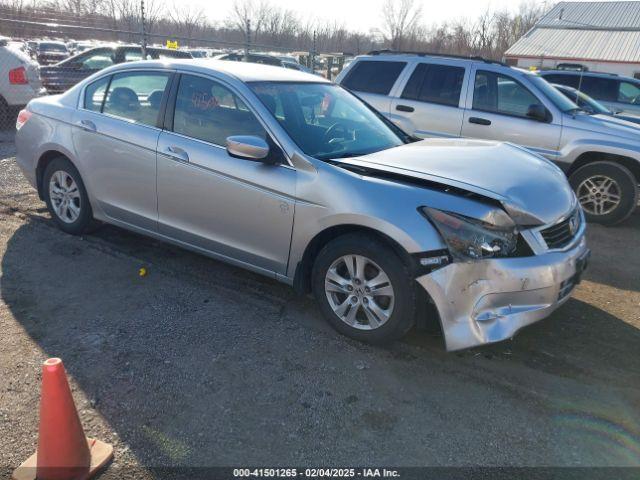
x=200, y=363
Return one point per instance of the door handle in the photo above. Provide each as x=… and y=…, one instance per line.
x=479, y=121
x=177, y=153
x=87, y=125
x=404, y=108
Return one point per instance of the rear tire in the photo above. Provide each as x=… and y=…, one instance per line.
x=66, y=197
x=364, y=289
x=607, y=192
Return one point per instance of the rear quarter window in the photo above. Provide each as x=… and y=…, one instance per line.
x=373, y=76
x=94, y=94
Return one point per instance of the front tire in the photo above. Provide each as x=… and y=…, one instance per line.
x=66, y=197
x=364, y=289
x=607, y=192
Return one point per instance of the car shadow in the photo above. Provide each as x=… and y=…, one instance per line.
x=209, y=365
x=615, y=260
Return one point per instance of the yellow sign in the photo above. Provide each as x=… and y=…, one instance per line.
x=173, y=45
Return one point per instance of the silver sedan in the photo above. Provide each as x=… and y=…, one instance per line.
x=291, y=176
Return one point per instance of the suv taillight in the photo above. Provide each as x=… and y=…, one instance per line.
x=23, y=116
x=18, y=76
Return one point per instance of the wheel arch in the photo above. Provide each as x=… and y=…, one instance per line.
x=45, y=158
x=586, y=158
x=302, y=276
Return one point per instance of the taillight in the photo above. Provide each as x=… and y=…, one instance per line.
x=18, y=76
x=23, y=116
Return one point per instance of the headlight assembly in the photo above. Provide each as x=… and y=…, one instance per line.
x=471, y=239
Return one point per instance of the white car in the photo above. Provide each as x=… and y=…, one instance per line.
x=19, y=81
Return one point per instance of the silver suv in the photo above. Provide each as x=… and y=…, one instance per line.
x=291, y=176
x=439, y=96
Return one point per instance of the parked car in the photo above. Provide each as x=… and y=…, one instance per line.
x=59, y=78
x=83, y=46
x=291, y=176
x=48, y=53
x=617, y=93
x=198, y=52
x=576, y=67
x=295, y=66
x=592, y=106
x=19, y=82
x=252, y=58
x=444, y=96
x=31, y=47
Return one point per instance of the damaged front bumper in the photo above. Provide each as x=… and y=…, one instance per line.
x=490, y=300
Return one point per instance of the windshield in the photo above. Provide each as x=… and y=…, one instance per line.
x=557, y=98
x=325, y=120
x=589, y=104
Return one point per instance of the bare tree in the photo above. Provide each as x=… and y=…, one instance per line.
x=187, y=19
x=401, y=22
x=249, y=15
x=491, y=34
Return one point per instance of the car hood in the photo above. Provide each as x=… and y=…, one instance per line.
x=627, y=117
x=531, y=189
x=606, y=124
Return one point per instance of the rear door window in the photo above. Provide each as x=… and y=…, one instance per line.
x=569, y=80
x=132, y=55
x=136, y=96
x=96, y=59
x=209, y=111
x=441, y=84
x=600, y=88
x=373, y=76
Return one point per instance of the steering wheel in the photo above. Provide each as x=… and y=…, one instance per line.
x=635, y=100
x=337, y=130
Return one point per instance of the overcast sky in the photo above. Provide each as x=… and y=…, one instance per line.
x=362, y=15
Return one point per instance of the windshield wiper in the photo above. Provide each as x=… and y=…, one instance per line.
x=341, y=155
x=571, y=111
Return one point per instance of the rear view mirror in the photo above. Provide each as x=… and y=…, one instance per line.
x=537, y=112
x=248, y=147
x=311, y=100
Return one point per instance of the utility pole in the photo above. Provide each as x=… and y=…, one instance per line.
x=247, y=40
x=144, y=32
x=313, y=54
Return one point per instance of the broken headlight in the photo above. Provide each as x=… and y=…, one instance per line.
x=472, y=239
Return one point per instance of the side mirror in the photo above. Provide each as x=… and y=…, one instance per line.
x=248, y=147
x=537, y=112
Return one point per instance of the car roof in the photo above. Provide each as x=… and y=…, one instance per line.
x=389, y=55
x=245, y=72
x=613, y=76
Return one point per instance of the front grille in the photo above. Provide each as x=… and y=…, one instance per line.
x=562, y=233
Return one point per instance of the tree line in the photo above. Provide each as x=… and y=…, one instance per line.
x=265, y=25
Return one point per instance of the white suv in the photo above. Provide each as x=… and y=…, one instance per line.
x=19, y=81
x=445, y=96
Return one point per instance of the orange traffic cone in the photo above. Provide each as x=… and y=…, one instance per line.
x=64, y=453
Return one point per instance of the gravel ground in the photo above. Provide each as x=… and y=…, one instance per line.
x=199, y=363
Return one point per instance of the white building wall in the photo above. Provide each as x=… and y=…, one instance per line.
x=627, y=69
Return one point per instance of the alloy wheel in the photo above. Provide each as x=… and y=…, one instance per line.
x=599, y=195
x=359, y=292
x=65, y=196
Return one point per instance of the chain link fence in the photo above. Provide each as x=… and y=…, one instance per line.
x=44, y=52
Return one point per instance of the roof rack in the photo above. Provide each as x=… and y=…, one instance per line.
x=432, y=54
